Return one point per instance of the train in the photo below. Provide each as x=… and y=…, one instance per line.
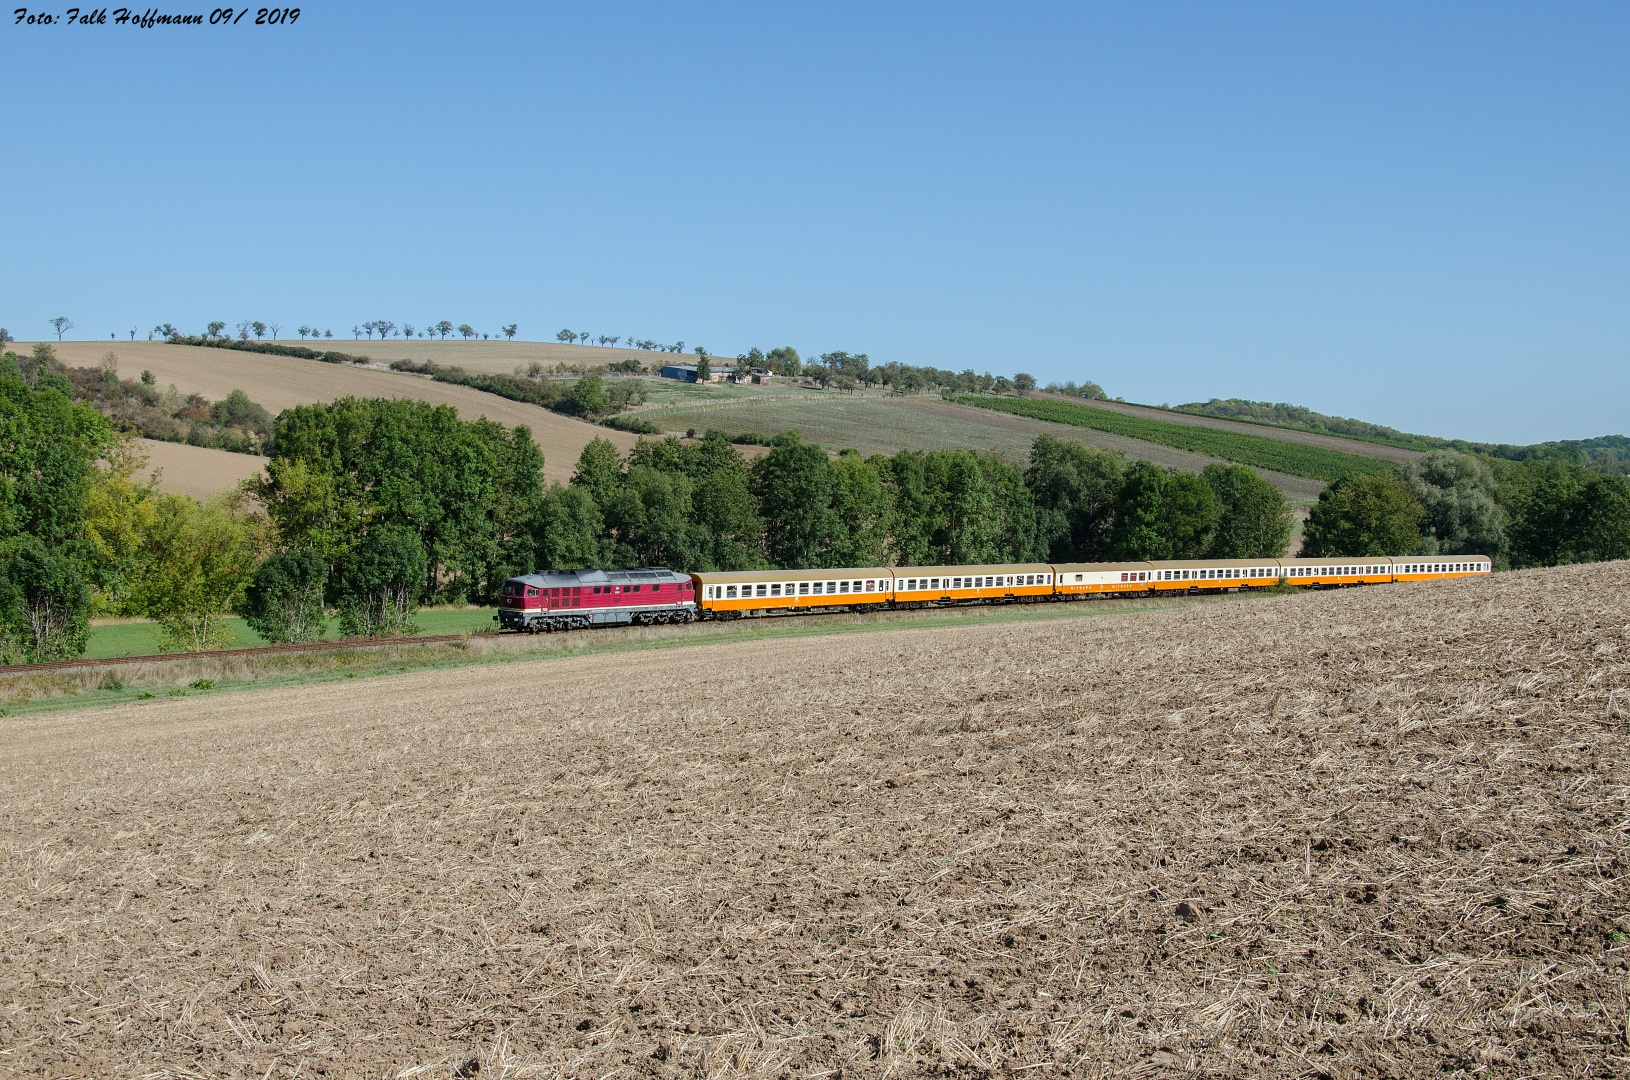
x=551, y=600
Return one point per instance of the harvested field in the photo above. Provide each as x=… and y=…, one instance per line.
x=1379, y=832
x=196, y=470
x=278, y=382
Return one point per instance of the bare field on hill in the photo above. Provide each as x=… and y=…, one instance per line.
x=887, y=424
x=1378, y=832
x=196, y=470
x=279, y=382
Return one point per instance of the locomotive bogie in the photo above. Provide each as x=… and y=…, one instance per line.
x=577, y=599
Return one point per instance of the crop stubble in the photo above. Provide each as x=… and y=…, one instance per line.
x=1377, y=832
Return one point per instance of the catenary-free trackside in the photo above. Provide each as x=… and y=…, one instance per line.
x=578, y=599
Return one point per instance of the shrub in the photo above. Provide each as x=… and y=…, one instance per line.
x=284, y=601
x=379, y=589
x=45, y=604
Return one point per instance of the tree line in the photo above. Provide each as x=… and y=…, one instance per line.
x=371, y=507
x=1534, y=512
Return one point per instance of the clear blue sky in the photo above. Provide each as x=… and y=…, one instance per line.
x=1415, y=214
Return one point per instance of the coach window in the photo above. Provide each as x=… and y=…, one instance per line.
x=871, y=586
x=803, y=588
x=730, y=592
x=775, y=590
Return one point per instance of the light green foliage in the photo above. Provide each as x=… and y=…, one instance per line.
x=199, y=561
x=1364, y=515
x=1462, y=516
x=1253, y=519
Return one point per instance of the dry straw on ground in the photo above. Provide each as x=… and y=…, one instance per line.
x=1371, y=833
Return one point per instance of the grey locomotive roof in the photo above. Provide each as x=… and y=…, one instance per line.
x=558, y=578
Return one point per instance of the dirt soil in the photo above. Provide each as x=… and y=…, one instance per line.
x=278, y=382
x=196, y=470
x=1376, y=832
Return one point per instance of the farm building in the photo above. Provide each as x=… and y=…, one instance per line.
x=687, y=373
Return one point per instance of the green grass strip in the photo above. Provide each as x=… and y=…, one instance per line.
x=1313, y=462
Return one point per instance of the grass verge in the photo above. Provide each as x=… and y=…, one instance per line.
x=140, y=637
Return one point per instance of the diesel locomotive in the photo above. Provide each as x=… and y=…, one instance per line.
x=579, y=599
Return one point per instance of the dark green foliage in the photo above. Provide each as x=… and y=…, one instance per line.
x=1364, y=515
x=284, y=601
x=327, y=356
x=567, y=531
x=470, y=491
x=380, y=583
x=1139, y=505
x=957, y=508
x=1253, y=519
x=1254, y=450
x=862, y=505
x=1298, y=418
x=1074, y=486
x=45, y=602
x=1607, y=453
x=793, y=486
x=1563, y=513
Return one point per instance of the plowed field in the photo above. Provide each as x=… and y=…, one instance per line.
x=1378, y=832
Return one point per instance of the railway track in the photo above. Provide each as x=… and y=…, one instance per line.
x=219, y=654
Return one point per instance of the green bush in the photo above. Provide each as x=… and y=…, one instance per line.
x=380, y=585
x=284, y=600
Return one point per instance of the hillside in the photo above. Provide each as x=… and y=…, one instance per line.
x=196, y=470
x=1379, y=831
x=278, y=382
x=879, y=422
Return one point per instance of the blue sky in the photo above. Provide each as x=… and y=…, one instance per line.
x=1414, y=214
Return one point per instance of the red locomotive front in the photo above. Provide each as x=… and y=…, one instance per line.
x=573, y=599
